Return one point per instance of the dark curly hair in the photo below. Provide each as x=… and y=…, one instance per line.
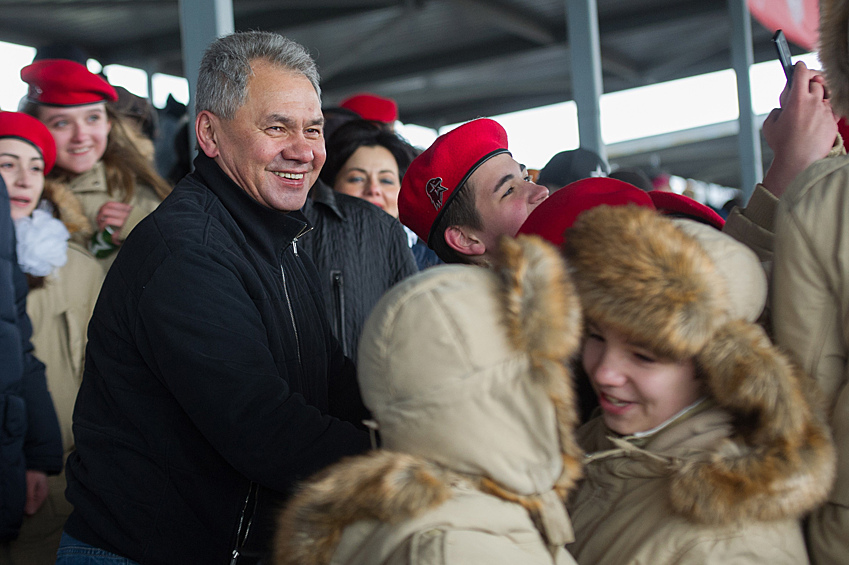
x=350, y=136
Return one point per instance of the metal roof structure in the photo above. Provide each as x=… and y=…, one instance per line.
x=443, y=61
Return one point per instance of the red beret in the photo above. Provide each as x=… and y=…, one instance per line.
x=31, y=130
x=59, y=82
x=372, y=107
x=558, y=212
x=433, y=177
x=680, y=206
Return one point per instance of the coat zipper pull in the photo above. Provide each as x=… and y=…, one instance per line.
x=295, y=246
x=235, y=558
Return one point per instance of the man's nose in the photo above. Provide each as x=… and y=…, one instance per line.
x=536, y=192
x=299, y=149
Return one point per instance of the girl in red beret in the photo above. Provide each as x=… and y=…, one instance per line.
x=99, y=169
x=64, y=281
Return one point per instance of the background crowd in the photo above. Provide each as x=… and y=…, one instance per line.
x=604, y=372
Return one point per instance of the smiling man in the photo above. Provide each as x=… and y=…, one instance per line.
x=465, y=191
x=212, y=382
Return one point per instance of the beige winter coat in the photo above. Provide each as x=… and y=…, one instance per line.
x=622, y=514
x=60, y=311
x=91, y=190
x=810, y=302
x=464, y=371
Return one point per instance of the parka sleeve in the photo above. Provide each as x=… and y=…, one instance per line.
x=810, y=297
x=200, y=331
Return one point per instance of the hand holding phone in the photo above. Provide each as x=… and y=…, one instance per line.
x=783, y=49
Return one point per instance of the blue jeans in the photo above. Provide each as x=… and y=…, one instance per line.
x=74, y=552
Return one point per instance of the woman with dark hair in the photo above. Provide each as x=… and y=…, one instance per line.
x=360, y=252
x=368, y=161
x=103, y=184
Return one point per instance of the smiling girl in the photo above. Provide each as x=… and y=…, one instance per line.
x=98, y=167
x=64, y=281
x=707, y=446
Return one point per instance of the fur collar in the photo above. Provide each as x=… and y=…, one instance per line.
x=780, y=461
x=382, y=485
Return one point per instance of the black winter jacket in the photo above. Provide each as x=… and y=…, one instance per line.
x=210, y=379
x=29, y=430
x=360, y=251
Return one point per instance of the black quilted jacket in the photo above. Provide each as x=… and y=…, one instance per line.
x=360, y=252
x=210, y=382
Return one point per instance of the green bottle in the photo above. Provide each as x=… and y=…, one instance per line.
x=101, y=243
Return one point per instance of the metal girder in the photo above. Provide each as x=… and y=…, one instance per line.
x=511, y=20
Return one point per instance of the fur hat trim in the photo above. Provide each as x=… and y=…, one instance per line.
x=834, y=51
x=638, y=274
x=780, y=461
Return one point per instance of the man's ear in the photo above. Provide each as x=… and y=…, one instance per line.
x=464, y=241
x=206, y=125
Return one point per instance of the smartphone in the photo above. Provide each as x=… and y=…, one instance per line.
x=783, y=49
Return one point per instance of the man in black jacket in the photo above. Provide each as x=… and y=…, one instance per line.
x=212, y=381
x=30, y=441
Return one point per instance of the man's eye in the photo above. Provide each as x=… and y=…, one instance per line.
x=507, y=192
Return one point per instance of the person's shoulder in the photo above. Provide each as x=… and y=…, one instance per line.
x=824, y=179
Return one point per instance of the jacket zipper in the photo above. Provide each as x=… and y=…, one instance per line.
x=291, y=314
x=289, y=300
x=339, y=294
x=240, y=538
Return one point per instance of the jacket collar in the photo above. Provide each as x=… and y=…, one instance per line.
x=93, y=180
x=321, y=193
x=268, y=232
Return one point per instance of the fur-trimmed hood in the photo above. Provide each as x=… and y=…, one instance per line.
x=834, y=51
x=466, y=366
x=464, y=369
x=638, y=273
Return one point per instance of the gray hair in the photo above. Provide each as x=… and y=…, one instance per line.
x=226, y=66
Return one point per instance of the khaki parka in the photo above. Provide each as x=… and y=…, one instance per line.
x=622, y=514
x=810, y=303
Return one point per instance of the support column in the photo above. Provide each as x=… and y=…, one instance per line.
x=582, y=25
x=749, y=137
x=201, y=23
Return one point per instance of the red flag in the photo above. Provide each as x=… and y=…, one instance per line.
x=798, y=18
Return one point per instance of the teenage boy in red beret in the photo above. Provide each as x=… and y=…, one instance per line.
x=465, y=191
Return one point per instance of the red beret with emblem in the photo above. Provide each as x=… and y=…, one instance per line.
x=434, y=176
x=680, y=206
x=372, y=107
x=59, y=82
x=558, y=212
x=31, y=130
